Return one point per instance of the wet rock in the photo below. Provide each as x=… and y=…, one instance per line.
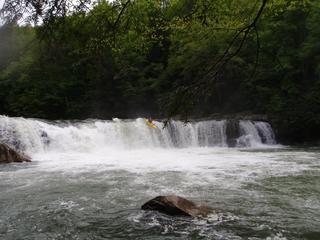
x=8, y=155
x=232, y=132
x=176, y=206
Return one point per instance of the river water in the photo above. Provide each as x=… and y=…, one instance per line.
x=88, y=180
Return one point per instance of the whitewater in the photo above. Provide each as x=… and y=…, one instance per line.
x=89, y=178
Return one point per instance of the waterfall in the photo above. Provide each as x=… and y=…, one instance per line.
x=249, y=135
x=265, y=132
x=255, y=134
x=34, y=135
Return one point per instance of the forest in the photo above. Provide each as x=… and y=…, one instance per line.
x=177, y=58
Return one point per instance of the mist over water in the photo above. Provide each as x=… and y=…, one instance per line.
x=88, y=180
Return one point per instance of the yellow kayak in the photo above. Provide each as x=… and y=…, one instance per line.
x=150, y=124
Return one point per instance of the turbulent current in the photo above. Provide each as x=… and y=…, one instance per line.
x=89, y=178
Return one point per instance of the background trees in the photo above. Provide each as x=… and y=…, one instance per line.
x=140, y=57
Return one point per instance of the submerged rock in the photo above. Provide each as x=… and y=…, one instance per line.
x=8, y=155
x=176, y=206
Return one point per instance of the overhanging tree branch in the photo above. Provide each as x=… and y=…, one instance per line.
x=117, y=22
x=185, y=96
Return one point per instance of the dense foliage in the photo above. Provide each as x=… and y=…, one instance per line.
x=133, y=58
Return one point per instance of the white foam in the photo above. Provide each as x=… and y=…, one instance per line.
x=34, y=136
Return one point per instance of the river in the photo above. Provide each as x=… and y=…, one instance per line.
x=89, y=178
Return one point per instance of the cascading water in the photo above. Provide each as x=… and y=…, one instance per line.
x=265, y=132
x=255, y=134
x=31, y=135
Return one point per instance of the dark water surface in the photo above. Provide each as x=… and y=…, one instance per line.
x=257, y=194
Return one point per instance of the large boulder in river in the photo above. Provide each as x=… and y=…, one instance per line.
x=176, y=206
x=8, y=155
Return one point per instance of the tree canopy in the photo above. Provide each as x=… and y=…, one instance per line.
x=100, y=59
